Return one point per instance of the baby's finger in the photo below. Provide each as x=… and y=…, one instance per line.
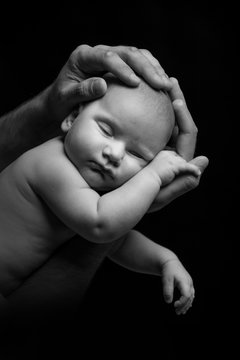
x=168, y=288
x=193, y=169
x=187, y=290
x=187, y=167
x=182, y=305
x=185, y=302
x=201, y=162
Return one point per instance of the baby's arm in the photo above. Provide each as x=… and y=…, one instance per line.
x=104, y=218
x=138, y=253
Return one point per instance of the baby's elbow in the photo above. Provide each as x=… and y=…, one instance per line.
x=102, y=234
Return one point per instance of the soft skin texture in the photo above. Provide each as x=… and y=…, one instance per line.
x=38, y=119
x=80, y=80
x=44, y=179
x=122, y=132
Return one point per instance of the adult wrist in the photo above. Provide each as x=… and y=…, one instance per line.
x=48, y=103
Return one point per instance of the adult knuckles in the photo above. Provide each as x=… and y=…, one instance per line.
x=84, y=89
x=132, y=50
x=126, y=48
x=101, y=46
x=174, y=80
x=81, y=49
x=109, y=54
x=146, y=51
x=79, y=53
x=194, y=129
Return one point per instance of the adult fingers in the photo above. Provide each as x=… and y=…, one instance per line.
x=187, y=137
x=180, y=185
x=122, y=61
x=172, y=142
x=176, y=92
x=201, y=162
x=153, y=61
x=86, y=90
x=147, y=66
x=101, y=59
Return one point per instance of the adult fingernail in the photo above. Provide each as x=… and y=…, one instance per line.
x=178, y=102
x=165, y=77
x=134, y=77
x=99, y=87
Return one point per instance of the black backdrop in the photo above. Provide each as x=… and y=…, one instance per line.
x=197, y=44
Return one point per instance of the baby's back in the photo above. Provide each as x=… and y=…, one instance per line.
x=29, y=231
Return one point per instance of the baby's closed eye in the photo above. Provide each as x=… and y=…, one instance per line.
x=136, y=154
x=105, y=128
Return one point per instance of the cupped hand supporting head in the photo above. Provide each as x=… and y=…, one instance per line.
x=81, y=79
x=184, y=143
x=186, y=134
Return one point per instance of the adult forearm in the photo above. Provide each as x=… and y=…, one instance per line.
x=25, y=127
x=138, y=253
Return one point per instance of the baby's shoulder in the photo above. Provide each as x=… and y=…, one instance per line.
x=52, y=156
x=47, y=161
x=43, y=154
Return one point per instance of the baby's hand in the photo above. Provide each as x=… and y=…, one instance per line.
x=168, y=164
x=175, y=275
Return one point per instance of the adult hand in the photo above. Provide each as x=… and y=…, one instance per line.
x=180, y=185
x=80, y=78
x=184, y=143
x=185, y=134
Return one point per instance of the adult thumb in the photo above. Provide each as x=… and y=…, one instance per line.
x=201, y=162
x=86, y=90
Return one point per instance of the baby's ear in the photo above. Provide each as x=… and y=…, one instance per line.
x=68, y=121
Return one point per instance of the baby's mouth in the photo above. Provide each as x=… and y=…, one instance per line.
x=102, y=170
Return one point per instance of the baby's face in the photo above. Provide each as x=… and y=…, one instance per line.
x=114, y=137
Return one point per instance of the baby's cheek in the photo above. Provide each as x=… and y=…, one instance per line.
x=133, y=166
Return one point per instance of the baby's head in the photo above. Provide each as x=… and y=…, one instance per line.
x=111, y=138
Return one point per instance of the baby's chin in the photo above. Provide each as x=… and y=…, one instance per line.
x=102, y=188
x=98, y=184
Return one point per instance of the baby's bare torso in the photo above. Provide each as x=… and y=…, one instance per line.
x=29, y=231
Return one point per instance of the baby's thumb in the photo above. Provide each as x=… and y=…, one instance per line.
x=168, y=289
x=86, y=90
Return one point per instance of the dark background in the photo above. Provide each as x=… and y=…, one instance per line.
x=197, y=44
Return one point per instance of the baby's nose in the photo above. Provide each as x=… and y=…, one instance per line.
x=114, y=153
